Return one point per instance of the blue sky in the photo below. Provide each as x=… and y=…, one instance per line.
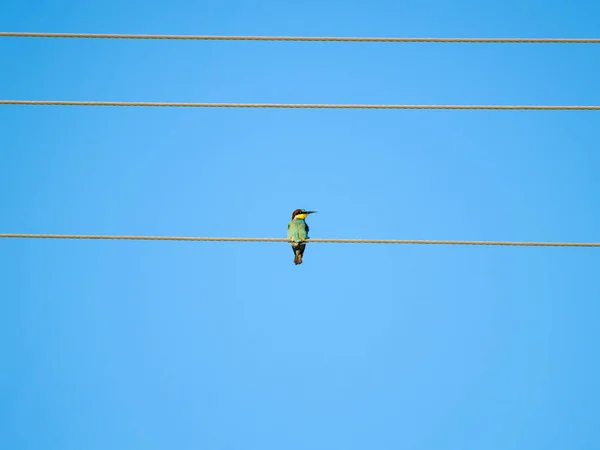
x=222, y=346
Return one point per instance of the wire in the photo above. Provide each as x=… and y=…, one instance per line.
x=298, y=105
x=305, y=38
x=331, y=241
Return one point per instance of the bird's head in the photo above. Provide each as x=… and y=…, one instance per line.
x=301, y=214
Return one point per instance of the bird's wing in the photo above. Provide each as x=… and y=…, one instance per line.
x=302, y=231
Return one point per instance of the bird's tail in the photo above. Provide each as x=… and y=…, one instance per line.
x=298, y=252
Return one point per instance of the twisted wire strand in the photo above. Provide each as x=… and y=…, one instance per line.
x=330, y=241
x=298, y=105
x=305, y=38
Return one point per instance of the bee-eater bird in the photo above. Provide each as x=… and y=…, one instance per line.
x=298, y=233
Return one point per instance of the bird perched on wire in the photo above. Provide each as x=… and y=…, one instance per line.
x=298, y=233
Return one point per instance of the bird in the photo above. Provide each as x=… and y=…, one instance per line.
x=298, y=233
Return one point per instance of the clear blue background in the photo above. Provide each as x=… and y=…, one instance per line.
x=223, y=346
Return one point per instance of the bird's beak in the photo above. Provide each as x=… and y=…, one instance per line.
x=310, y=212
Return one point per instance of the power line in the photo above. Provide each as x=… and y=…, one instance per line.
x=298, y=105
x=331, y=241
x=306, y=38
